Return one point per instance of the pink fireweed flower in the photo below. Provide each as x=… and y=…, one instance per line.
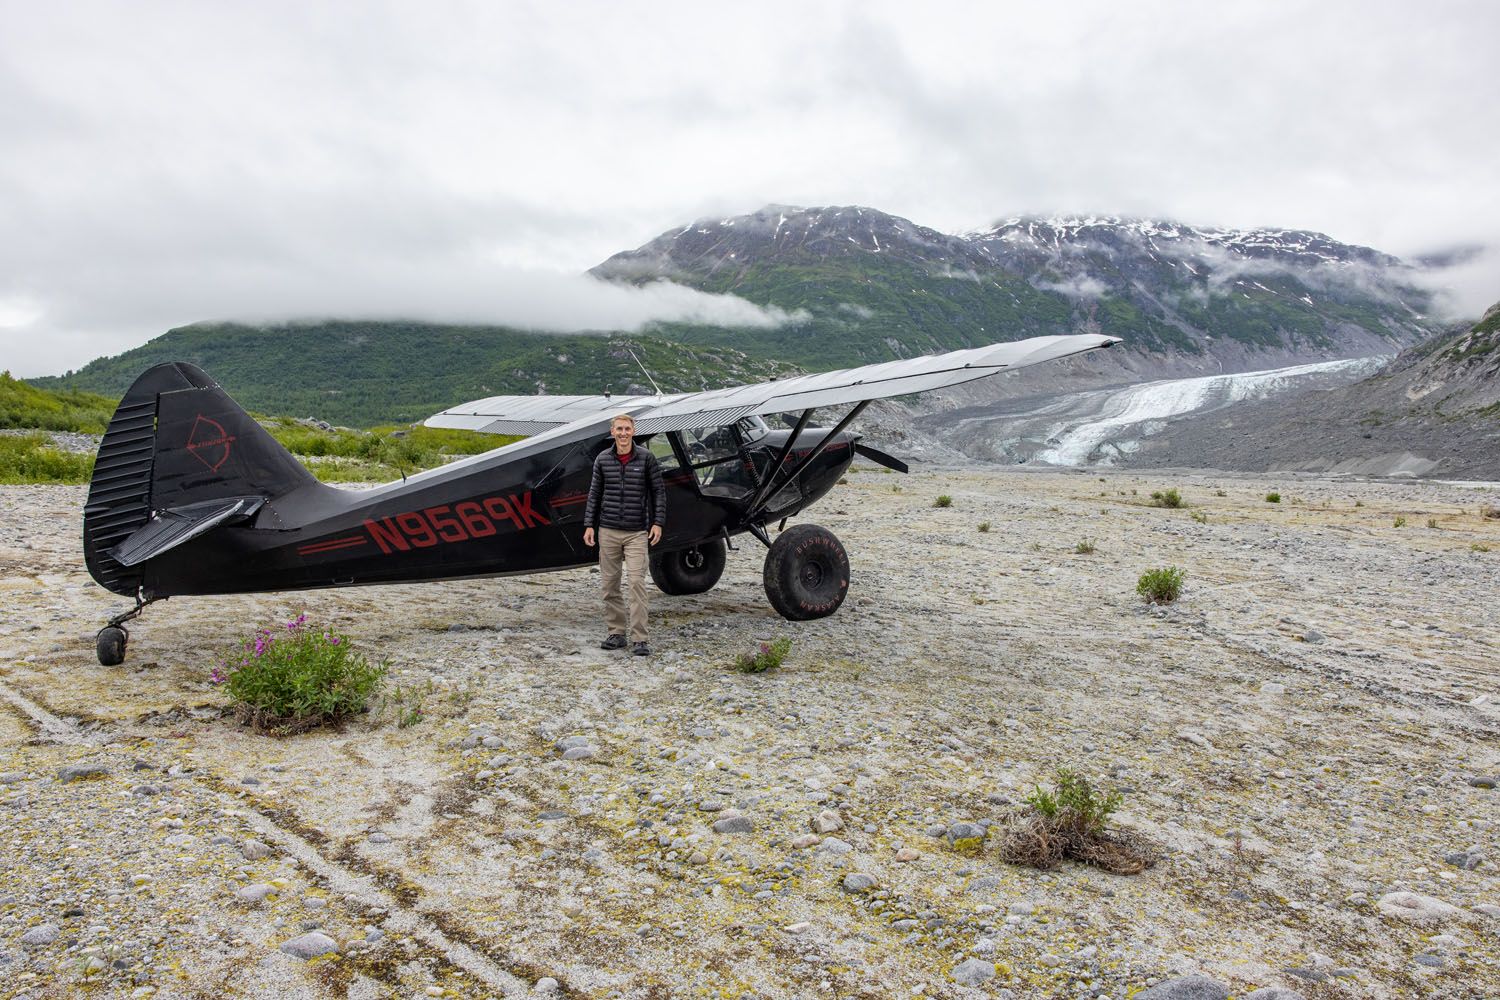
x=217, y=677
x=261, y=642
x=334, y=641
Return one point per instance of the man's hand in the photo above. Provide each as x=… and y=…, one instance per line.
x=654, y=535
x=588, y=537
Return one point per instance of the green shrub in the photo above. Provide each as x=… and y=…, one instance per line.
x=1399, y=522
x=1161, y=586
x=1167, y=498
x=1199, y=516
x=1432, y=522
x=1273, y=498
x=293, y=678
x=1073, y=798
x=30, y=458
x=943, y=501
x=984, y=526
x=1479, y=547
x=1085, y=547
x=768, y=657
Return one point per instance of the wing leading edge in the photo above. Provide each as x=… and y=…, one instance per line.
x=715, y=407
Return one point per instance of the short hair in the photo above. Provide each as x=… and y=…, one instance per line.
x=622, y=416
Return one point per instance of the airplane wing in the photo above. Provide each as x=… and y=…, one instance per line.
x=716, y=407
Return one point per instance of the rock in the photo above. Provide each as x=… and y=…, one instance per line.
x=254, y=894
x=379, y=838
x=254, y=850
x=973, y=972
x=984, y=884
x=1483, y=781
x=1274, y=993
x=569, y=742
x=907, y=854
x=1312, y=635
x=545, y=985
x=143, y=791
x=1431, y=961
x=12, y=777
x=1415, y=908
x=734, y=824
x=578, y=753
x=937, y=830
x=1197, y=739
x=1488, y=909
x=1467, y=860
x=833, y=845
x=81, y=772
x=711, y=806
x=1272, y=688
x=492, y=743
x=859, y=882
x=967, y=838
x=697, y=858
x=310, y=945
x=805, y=840
x=1186, y=988
x=827, y=821
x=40, y=935
x=798, y=928
x=1021, y=909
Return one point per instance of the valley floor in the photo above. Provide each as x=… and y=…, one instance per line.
x=1307, y=731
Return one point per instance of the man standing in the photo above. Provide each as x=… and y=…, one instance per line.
x=628, y=506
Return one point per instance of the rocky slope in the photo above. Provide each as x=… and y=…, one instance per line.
x=1311, y=733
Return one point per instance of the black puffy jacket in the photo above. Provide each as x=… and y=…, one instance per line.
x=628, y=496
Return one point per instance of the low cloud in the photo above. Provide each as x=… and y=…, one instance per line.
x=1081, y=287
x=1465, y=290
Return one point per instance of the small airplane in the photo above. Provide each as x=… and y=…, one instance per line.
x=191, y=496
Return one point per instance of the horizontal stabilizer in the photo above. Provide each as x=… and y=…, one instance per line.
x=170, y=528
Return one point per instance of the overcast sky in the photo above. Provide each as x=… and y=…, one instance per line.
x=163, y=163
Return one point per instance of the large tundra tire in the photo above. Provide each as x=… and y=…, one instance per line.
x=806, y=573
x=692, y=570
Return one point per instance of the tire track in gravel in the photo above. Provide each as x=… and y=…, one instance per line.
x=362, y=888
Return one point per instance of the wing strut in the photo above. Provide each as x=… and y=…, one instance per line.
x=775, y=481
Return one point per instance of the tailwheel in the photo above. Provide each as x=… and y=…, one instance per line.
x=806, y=573
x=110, y=645
x=692, y=570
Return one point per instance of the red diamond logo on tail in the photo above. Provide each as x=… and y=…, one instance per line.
x=208, y=443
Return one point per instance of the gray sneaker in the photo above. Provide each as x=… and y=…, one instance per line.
x=616, y=640
x=641, y=649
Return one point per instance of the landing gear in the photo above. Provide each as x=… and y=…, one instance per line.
x=692, y=570
x=110, y=643
x=806, y=573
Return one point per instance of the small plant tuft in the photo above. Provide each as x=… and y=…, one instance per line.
x=1085, y=547
x=295, y=677
x=984, y=527
x=1273, y=498
x=1161, y=586
x=1070, y=820
x=1399, y=522
x=1199, y=516
x=1432, y=522
x=1167, y=498
x=943, y=501
x=1479, y=547
x=768, y=657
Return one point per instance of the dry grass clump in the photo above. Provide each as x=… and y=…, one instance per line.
x=1071, y=822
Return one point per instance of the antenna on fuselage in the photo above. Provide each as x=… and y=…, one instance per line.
x=644, y=372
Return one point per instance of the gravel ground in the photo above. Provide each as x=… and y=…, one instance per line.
x=1308, y=733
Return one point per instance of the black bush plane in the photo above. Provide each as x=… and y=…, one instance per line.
x=191, y=496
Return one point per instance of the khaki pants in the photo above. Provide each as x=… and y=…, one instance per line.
x=628, y=549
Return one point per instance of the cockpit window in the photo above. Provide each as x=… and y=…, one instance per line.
x=709, y=444
x=661, y=446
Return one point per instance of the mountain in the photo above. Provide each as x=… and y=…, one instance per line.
x=1433, y=411
x=863, y=285
x=366, y=373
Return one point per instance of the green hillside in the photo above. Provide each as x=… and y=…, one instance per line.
x=25, y=406
x=360, y=374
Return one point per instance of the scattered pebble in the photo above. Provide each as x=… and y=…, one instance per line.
x=1186, y=988
x=310, y=945
x=973, y=972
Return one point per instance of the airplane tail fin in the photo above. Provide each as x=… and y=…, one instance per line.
x=176, y=442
